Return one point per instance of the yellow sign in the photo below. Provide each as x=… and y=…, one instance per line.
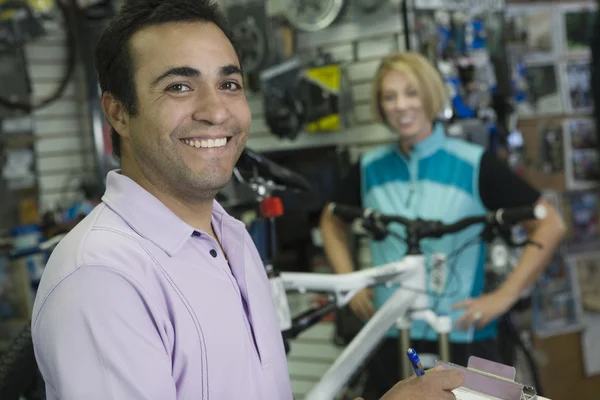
x=328, y=78
x=38, y=6
x=330, y=123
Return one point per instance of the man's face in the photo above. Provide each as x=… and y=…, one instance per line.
x=193, y=118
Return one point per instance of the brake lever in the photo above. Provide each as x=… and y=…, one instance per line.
x=513, y=243
x=507, y=238
x=533, y=243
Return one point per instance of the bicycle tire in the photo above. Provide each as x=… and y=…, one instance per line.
x=18, y=368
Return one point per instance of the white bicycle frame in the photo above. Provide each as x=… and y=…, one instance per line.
x=410, y=273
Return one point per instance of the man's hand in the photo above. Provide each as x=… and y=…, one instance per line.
x=362, y=304
x=436, y=384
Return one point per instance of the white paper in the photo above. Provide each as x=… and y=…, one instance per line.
x=589, y=342
x=588, y=272
x=576, y=89
x=580, y=154
x=492, y=5
x=462, y=393
x=556, y=304
x=532, y=27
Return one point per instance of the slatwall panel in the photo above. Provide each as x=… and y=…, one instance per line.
x=63, y=141
x=310, y=356
x=360, y=45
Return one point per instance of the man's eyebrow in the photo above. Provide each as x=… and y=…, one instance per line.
x=230, y=69
x=188, y=72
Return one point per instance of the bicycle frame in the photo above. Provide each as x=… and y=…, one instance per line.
x=410, y=273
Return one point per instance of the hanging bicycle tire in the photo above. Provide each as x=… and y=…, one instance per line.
x=19, y=374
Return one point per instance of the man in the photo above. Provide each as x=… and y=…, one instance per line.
x=159, y=293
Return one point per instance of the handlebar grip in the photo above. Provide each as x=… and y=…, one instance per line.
x=520, y=214
x=347, y=213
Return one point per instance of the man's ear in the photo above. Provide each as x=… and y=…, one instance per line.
x=115, y=113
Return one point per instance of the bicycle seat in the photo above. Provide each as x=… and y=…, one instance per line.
x=267, y=169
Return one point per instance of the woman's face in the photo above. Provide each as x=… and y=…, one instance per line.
x=403, y=108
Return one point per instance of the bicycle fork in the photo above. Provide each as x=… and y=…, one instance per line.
x=441, y=324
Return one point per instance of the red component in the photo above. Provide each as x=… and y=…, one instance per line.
x=271, y=207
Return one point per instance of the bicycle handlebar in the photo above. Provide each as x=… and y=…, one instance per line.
x=43, y=247
x=435, y=229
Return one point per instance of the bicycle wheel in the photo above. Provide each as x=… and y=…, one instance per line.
x=19, y=373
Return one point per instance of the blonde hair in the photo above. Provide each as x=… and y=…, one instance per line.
x=426, y=78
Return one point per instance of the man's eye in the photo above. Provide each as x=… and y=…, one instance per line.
x=229, y=85
x=178, y=87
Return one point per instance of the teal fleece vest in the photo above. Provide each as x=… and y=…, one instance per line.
x=438, y=182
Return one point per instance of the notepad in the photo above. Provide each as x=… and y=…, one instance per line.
x=489, y=381
x=462, y=393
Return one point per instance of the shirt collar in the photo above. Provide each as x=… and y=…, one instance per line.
x=147, y=215
x=430, y=144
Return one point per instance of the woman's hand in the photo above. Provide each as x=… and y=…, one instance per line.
x=362, y=304
x=484, y=309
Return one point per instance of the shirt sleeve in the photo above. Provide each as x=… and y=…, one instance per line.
x=348, y=190
x=96, y=337
x=500, y=187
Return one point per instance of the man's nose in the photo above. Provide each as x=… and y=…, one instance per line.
x=210, y=107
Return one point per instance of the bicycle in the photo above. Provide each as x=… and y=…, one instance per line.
x=409, y=272
x=19, y=374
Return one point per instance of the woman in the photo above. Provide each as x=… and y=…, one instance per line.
x=429, y=175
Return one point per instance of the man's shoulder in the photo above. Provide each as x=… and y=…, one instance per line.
x=101, y=239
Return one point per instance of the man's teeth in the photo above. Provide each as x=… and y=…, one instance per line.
x=206, y=143
x=406, y=120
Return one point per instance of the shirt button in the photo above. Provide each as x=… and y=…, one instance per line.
x=213, y=253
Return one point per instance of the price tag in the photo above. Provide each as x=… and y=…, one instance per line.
x=460, y=5
x=437, y=276
x=280, y=301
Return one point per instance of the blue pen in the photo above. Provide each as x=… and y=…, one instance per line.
x=415, y=361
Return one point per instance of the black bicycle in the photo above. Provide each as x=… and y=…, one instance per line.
x=19, y=373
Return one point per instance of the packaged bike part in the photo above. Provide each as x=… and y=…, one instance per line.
x=280, y=302
x=437, y=276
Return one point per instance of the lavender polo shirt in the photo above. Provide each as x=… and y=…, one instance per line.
x=135, y=304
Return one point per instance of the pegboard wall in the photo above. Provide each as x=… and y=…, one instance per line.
x=63, y=145
x=359, y=44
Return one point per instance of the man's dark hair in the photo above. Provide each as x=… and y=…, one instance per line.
x=114, y=62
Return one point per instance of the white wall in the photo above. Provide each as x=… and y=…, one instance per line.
x=63, y=145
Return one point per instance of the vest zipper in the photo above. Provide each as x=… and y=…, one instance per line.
x=413, y=165
x=411, y=190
